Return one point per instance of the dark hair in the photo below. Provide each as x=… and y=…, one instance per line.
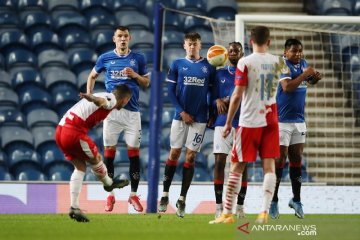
x=121, y=91
x=260, y=35
x=193, y=36
x=292, y=41
x=236, y=43
x=122, y=28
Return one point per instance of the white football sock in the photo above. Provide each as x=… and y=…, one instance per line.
x=232, y=190
x=76, y=181
x=100, y=171
x=268, y=190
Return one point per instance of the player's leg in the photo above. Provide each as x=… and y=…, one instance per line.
x=269, y=150
x=221, y=149
x=132, y=134
x=177, y=139
x=194, y=138
x=240, y=212
x=219, y=169
x=295, y=153
x=111, y=131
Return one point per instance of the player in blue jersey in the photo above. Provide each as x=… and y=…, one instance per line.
x=122, y=66
x=291, y=94
x=189, y=82
x=223, y=88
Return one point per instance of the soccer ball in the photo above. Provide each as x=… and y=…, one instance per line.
x=217, y=55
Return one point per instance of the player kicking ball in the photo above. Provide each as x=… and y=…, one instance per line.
x=79, y=148
x=290, y=97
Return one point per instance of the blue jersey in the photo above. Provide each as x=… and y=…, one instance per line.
x=224, y=87
x=193, y=80
x=113, y=65
x=291, y=106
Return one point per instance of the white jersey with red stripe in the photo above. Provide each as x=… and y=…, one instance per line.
x=84, y=115
x=260, y=73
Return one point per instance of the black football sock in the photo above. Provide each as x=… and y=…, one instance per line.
x=242, y=193
x=218, y=187
x=169, y=172
x=109, y=157
x=279, y=172
x=188, y=173
x=134, y=169
x=295, y=177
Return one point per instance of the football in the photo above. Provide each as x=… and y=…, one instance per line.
x=217, y=55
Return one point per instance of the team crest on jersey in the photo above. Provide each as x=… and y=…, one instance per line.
x=132, y=62
x=204, y=69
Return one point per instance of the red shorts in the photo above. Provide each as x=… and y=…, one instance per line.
x=248, y=141
x=75, y=144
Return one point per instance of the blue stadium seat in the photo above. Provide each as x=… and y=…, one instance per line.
x=9, y=19
x=63, y=5
x=173, y=21
x=5, y=79
x=60, y=171
x=82, y=59
x=44, y=39
x=190, y=23
x=167, y=115
x=357, y=8
x=213, y=7
x=43, y=136
x=64, y=98
x=133, y=19
x=145, y=136
x=28, y=172
x=42, y=117
x=170, y=54
x=144, y=97
x=7, y=5
x=100, y=19
x=201, y=175
x=26, y=78
x=3, y=159
x=88, y=5
x=207, y=37
x=90, y=177
x=53, y=57
x=12, y=117
x=145, y=116
x=82, y=81
x=102, y=40
x=141, y=39
x=173, y=39
x=191, y=6
x=8, y=98
x=4, y=174
x=34, y=97
x=20, y=58
x=55, y=76
x=74, y=37
x=127, y=5
x=121, y=156
x=69, y=20
x=31, y=5
x=2, y=62
x=335, y=7
x=51, y=154
x=227, y=15
x=13, y=39
x=35, y=20
x=165, y=136
x=149, y=57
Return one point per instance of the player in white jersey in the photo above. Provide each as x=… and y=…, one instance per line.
x=189, y=82
x=290, y=98
x=257, y=77
x=222, y=90
x=122, y=66
x=79, y=148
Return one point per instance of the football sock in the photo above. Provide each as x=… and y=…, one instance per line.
x=242, y=193
x=188, y=173
x=268, y=190
x=76, y=181
x=134, y=169
x=169, y=172
x=232, y=191
x=109, y=156
x=295, y=177
x=218, y=188
x=279, y=172
x=100, y=172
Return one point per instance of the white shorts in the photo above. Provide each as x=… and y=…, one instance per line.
x=190, y=135
x=223, y=145
x=292, y=133
x=122, y=120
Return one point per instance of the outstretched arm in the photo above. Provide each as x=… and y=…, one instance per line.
x=98, y=101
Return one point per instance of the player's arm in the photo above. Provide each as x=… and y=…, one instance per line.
x=187, y=118
x=235, y=101
x=143, y=81
x=91, y=81
x=289, y=85
x=98, y=101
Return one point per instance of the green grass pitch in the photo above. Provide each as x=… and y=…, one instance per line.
x=169, y=227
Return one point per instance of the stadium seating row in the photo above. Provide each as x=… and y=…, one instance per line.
x=333, y=7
